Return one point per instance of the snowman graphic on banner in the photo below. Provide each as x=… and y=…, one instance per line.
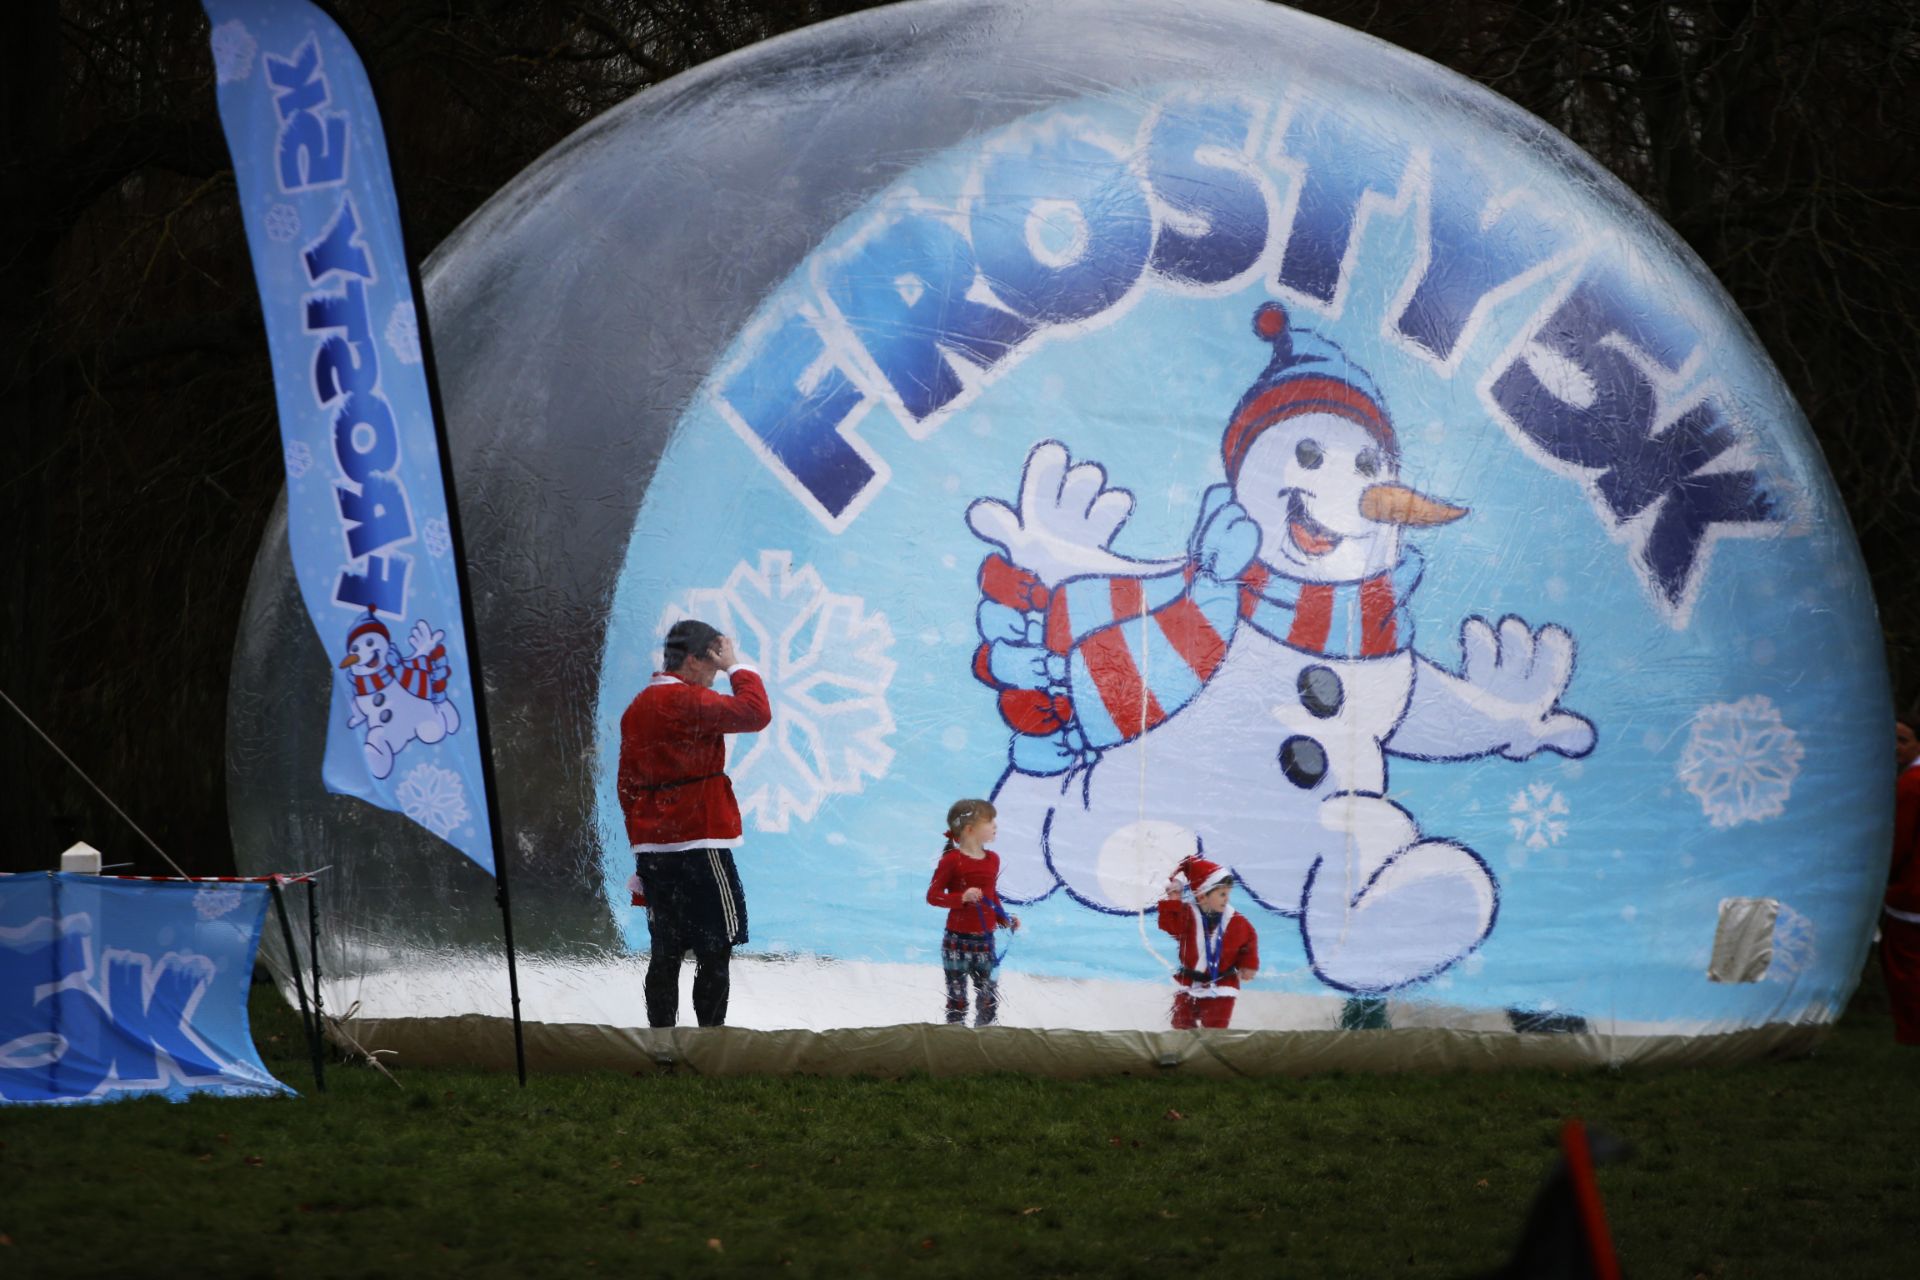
x=400, y=701
x=1274, y=657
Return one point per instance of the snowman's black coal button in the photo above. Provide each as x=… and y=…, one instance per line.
x=388, y=715
x=379, y=699
x=1321, y=691
x=1304, y=761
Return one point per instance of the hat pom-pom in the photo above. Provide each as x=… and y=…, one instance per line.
x=1270, y=322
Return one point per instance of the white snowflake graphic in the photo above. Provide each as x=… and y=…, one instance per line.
x=433, y=797
x=437, y=538
x=403, y=333
x=1793, y=948
x=824, y=660
x=299, y=458
x=233, y=50
x=1740, y=760
x=281, y=222
x=212, y=901
x=1538, y=815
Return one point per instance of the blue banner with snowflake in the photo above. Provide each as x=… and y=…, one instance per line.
x=113, y=988
x=366, y=500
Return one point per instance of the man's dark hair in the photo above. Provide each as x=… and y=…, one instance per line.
x=689, y=637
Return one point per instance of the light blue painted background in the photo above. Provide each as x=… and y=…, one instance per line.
x=1616, y=919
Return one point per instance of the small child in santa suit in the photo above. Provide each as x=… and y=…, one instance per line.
x=1218, y=947
x=966, y=885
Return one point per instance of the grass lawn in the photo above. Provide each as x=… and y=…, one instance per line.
x=1789, y=1168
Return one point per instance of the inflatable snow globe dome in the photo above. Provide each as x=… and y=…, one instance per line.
x=1246, y=455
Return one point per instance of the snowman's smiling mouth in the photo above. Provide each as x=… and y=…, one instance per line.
x=1308, y=534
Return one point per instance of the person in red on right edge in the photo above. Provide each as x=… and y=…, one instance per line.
x=1900, y=917
x=1218, y=947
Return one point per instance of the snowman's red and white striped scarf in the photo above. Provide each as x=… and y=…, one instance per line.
x=1102, y=625
x=423, y=676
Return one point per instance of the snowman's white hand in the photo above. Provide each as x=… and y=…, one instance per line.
x=424, y=638
x=1517, y=664
x=1066, y=519
x=355, y=720
x=1517, y=676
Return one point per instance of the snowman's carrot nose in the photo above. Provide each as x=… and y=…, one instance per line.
x=349, y=660
x=1397, y=504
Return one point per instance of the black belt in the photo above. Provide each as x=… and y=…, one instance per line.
x=684, y=782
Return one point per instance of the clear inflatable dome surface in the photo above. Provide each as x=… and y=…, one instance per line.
x=1236, y=449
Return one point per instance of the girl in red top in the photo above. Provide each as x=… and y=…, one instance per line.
x=966, y=885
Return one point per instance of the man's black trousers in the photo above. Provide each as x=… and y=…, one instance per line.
x=694, y=903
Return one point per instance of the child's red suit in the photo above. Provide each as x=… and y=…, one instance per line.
x=1219, y=954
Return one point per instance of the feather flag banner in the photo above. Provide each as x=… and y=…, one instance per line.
x=367, y=509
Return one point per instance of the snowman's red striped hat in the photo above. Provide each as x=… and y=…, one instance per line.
x=366, y=624
x=1203, y=877
x=1307, y=374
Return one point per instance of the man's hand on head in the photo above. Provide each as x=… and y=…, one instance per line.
x=723, y=655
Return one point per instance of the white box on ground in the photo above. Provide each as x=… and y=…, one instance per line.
x=82, y=859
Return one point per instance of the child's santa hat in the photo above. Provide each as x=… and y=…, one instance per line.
x=1308, y=374
x=1203, y=877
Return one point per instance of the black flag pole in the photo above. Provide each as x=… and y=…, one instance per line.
x=457, y=546
x=457, y=549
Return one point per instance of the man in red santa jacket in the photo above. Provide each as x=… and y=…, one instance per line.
x=682, y=820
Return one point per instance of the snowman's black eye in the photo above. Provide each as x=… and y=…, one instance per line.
x=1367, y=463
x=1307, y=454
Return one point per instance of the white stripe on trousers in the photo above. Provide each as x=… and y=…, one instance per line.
x=727, y=907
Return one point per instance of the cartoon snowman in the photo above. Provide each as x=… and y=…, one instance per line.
x=399, y=701
x=1240, y=701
